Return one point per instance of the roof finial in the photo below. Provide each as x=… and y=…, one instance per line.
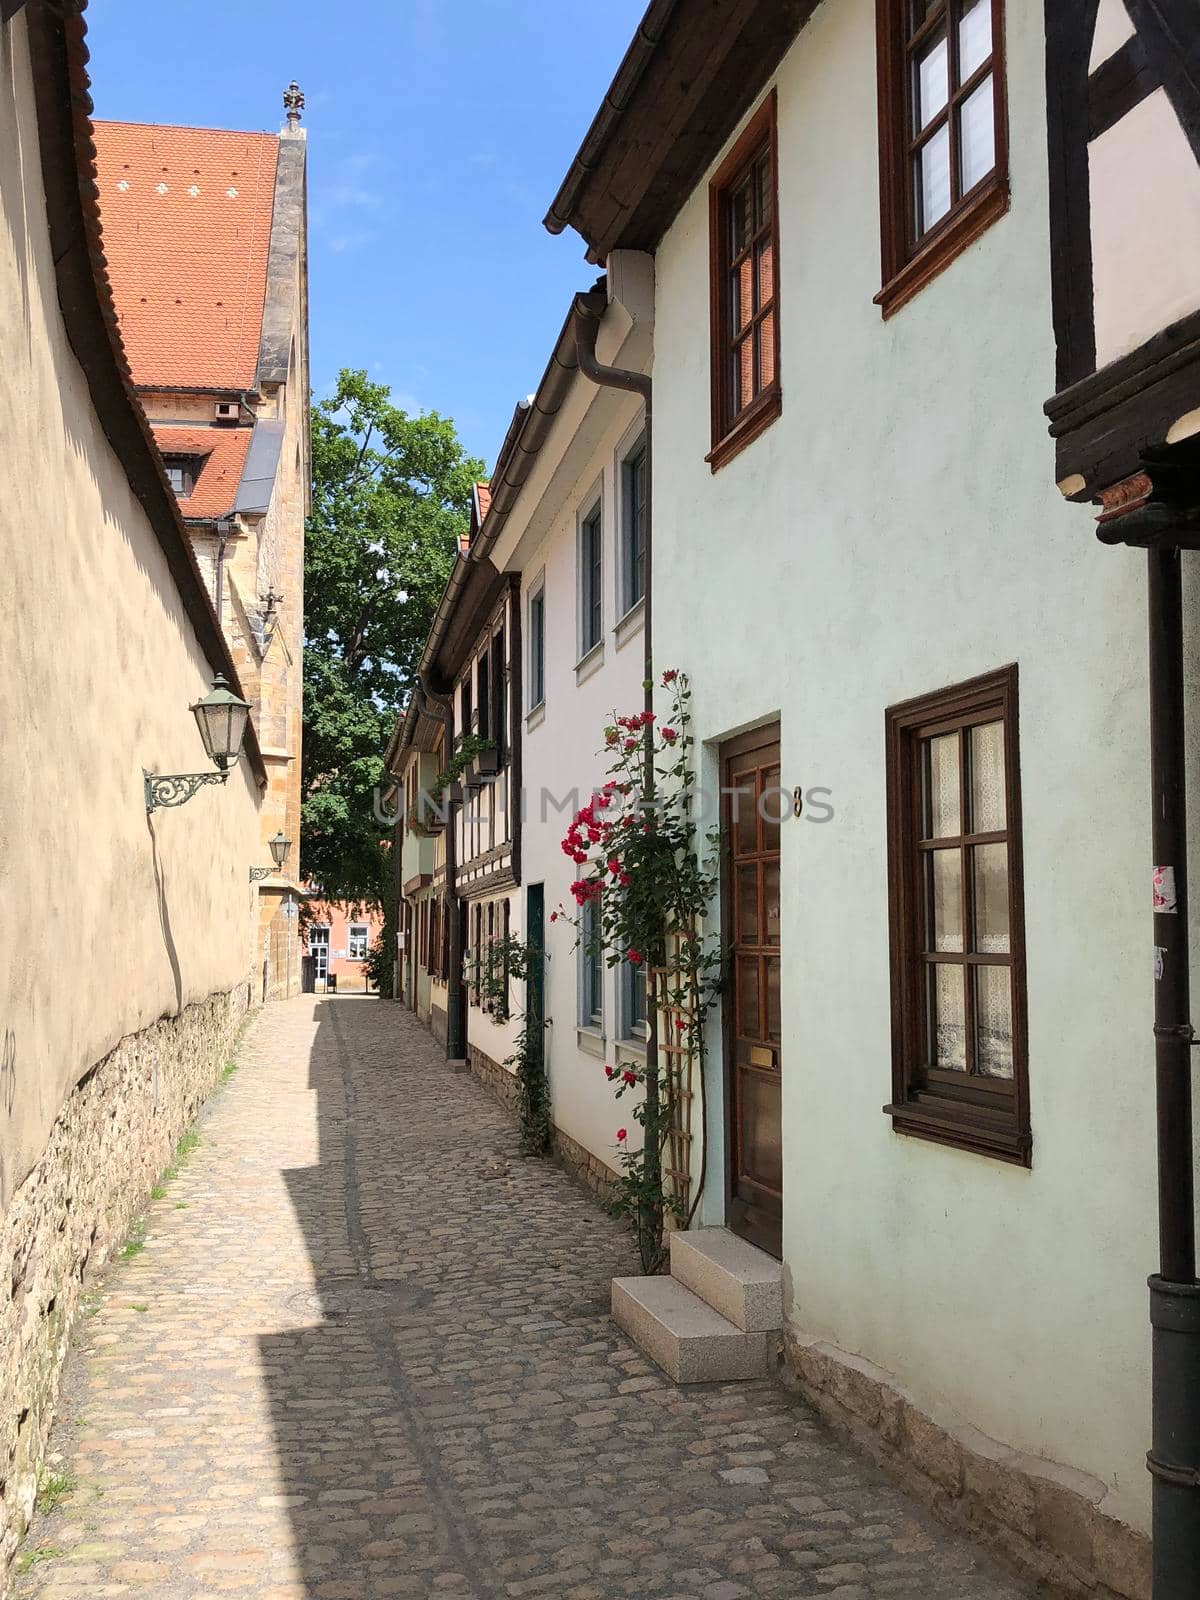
x=293, y=103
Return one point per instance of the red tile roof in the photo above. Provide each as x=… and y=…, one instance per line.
x=186, y=214
x=483, y=496
x=216, y=485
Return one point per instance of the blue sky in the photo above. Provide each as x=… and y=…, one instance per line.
x=438, y=132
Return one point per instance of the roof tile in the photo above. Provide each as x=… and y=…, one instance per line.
x=186, y=217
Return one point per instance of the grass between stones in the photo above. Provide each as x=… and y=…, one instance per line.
x=53, y=1487
x=30, y=1558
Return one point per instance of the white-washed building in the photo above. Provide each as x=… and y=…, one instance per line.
x=931, y=1085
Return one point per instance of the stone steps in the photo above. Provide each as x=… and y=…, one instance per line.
x=715, y=1318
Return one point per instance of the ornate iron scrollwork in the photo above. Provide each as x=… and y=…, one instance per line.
x=257, y=873
x=176, y=789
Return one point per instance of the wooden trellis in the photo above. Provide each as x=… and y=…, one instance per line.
x=677, y=1057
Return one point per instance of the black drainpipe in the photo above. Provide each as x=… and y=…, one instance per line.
x=1174, y=1457
x=442, y=706
x=587, y=329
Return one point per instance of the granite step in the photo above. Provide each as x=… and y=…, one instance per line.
x=690, y=1341
x=739, y=1281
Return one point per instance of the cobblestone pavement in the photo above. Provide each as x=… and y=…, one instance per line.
x=365, y=1353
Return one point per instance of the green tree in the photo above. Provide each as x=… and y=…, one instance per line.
x=390, y=496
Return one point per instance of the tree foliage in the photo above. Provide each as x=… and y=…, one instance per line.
x=390, y=495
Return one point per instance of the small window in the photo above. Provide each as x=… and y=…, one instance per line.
x=182, y=472
x=943, y=164
x=957, y=918
x=484, y=698
x=633, y=528
x=744, y=272
x=537, y=646
x=357, y=939
x=591, y=581
x=633, y=1002
x=499, y=718
x=466, y=708
x=591, y=969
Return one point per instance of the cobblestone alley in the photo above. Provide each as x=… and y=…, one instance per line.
x=365, y=1352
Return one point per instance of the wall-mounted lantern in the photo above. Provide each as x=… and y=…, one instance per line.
x=279, y=848
x=221, y=719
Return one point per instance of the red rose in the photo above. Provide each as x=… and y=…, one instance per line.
x=623, y=880
x=628, y=1077
x=610, y=1072
x=554, y=916
x=622, y=1135
x=634, y=957
x=580, y=857
x=670, y=675
x=670, y=735
x=647, y=717
x=631, y=744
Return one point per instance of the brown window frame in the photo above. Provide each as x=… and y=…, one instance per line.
x=970, y=1110
x=910, y=263
x=731, y=434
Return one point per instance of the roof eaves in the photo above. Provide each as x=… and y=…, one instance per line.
x=68, y=158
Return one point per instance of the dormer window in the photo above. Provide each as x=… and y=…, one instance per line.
x=182, y=472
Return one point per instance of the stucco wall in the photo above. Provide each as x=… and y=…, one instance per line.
x=115, y=919
x=563, y=755
x=895, y=531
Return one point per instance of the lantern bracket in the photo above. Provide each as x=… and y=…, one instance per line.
x=176, y=789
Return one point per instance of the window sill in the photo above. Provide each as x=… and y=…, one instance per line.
x=630, y=623
x=754, y=420
x=535, y=716
x=590, y=662
x=631, y=1047
x=959, y=230
x=951, y=1123
x=591, y=1042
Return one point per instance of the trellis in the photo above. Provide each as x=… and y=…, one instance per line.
x=678, y=1056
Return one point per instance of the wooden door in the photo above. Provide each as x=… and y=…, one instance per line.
x=754, y=806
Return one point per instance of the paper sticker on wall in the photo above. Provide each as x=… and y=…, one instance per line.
x=1159, y=958
x=1164, y=890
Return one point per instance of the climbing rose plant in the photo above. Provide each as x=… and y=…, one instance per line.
x=649, y=870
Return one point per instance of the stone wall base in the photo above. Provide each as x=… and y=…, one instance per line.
x=114, y=1136
x=1044, y=1518
x=582, y=1165
x=437, y=1023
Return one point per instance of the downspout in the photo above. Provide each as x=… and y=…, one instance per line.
x=587, y=329
x=1174, y=1457
x=441, y=707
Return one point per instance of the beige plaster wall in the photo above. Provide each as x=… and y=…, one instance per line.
x=115, y=918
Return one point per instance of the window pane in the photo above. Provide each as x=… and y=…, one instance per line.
x=744, y=370
x=774, y=803
x=974, y=37
x=766, y=272
x=993, y=1022
x=762, y=195
x=748, y=905
x=766, y=353
x=745, y=817
x=771, y=901
x=991, y=898
x=947, y=1019
x=933, y=181
x=931, y=71
x=741, y=217
x=919, y=10
x=773, y=1014
x=945, y=899
x=747, y=997
x=941, y=787
x=988, y=808
x=743, y=294
x=977, y=135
